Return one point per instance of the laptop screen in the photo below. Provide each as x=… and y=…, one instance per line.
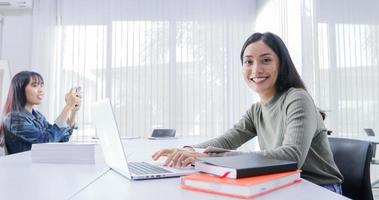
x=107, y=131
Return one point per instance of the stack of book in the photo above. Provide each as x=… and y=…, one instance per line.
x=242, y=176
x=69, y=153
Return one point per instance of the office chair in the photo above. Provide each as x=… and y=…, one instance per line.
x=374, y=161
x=371, y=133
x=22, y=145
x=353, y=160
x=2, y=151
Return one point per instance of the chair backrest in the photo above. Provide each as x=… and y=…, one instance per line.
x=371, y=132
x=353, y=159
x=15, y=144
x=2, y=151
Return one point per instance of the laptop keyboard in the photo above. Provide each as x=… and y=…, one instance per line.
x=145, y=168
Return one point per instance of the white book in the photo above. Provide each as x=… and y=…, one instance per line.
x=66, y=153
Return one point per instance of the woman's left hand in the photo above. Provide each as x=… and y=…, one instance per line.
x=73, y=98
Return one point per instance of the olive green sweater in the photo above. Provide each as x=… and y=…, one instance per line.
x=288, y=127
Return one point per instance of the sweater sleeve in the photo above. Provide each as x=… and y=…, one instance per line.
x=301, y=124
x=241, y=132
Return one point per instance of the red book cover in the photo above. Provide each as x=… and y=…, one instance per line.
x=240, y=188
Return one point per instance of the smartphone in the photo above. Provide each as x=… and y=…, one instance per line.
x=78, y=90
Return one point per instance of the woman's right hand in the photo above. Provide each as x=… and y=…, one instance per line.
x=178, y=157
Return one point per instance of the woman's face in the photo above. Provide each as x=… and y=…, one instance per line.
x=34, y=91
x=260, y=69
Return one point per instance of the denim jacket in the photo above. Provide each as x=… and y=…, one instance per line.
x=22, y=129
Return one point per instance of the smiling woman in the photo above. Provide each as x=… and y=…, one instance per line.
x=285, y=120
x=22, y=125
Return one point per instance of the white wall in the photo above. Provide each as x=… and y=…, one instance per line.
x=16, y=41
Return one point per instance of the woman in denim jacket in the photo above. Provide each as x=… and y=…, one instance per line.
x=23, y=126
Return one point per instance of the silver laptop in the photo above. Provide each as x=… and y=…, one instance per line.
x=114, y=153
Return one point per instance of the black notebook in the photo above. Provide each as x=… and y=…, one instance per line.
x=245, y=165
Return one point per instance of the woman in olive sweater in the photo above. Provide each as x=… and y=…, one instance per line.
x=286, y=120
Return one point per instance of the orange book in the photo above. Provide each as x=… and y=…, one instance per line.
x=241, y=188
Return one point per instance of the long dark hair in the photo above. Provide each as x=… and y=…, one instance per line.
x=16, y=99
x=287, y=76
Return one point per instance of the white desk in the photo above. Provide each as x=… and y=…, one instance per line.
x=115, y=187
x=21, y=179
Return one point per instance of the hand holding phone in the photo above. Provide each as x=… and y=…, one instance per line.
x=78, y=93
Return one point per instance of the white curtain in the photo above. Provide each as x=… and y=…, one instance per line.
x=45, y=51
x=335, y=46
x=175, y=63
x=346, y=65
x=348, y=53
x=163, y=63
